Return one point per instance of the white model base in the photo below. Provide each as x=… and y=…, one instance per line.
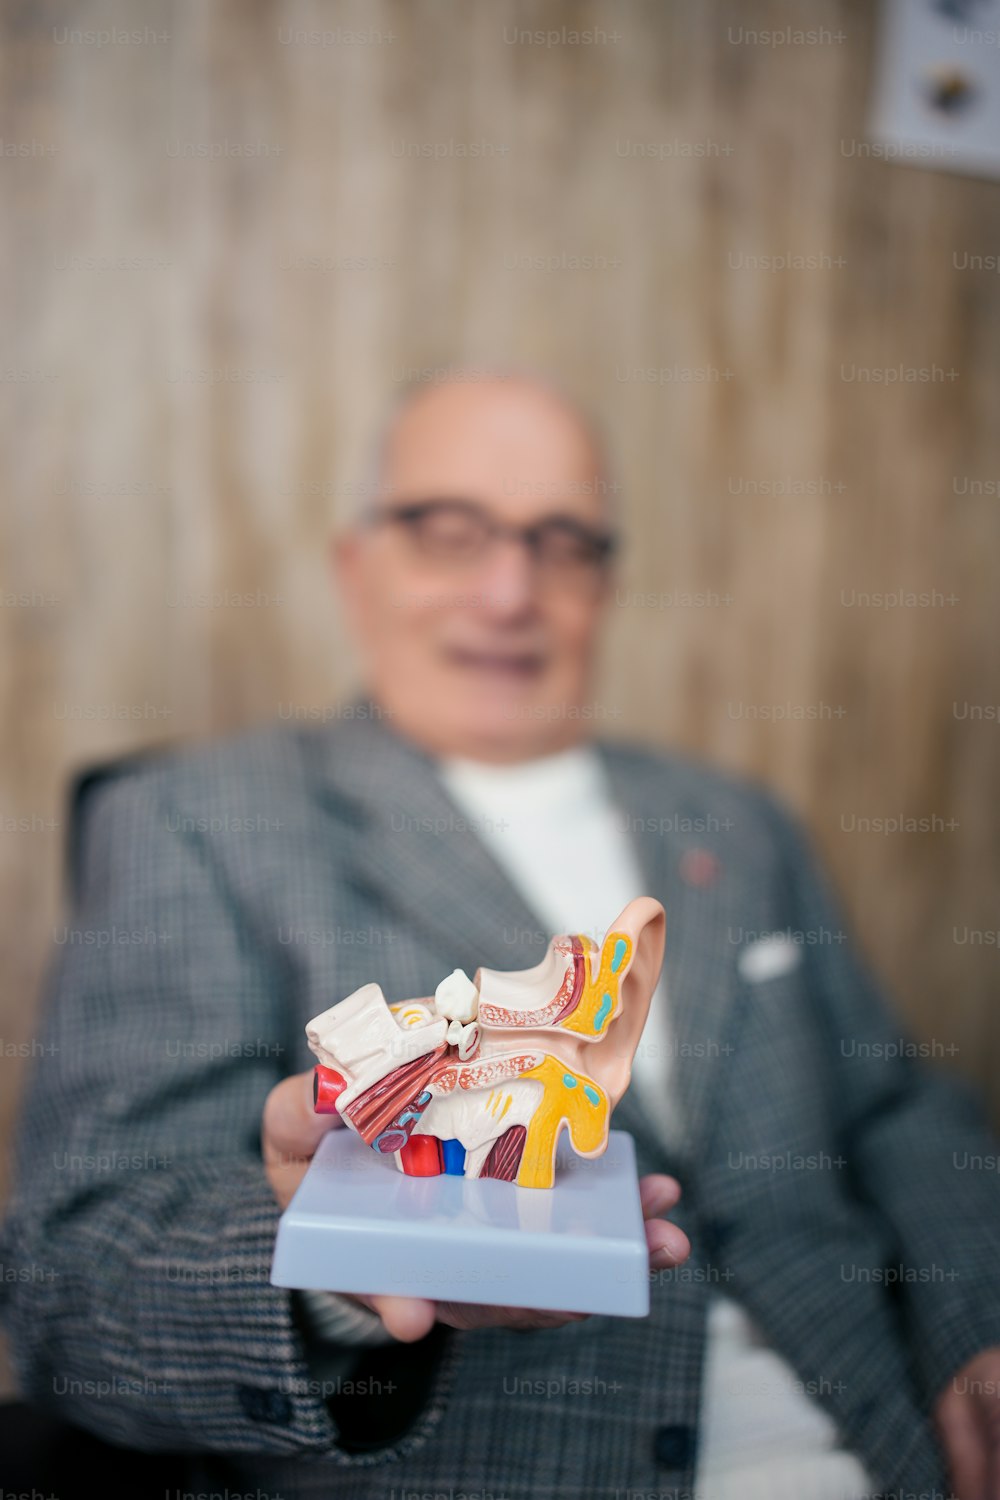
x=358, y=1224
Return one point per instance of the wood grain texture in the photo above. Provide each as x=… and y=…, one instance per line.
x=179, y=433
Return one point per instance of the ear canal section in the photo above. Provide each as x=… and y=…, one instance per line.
x=625, y=974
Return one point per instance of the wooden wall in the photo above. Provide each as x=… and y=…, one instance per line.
x=181, y=428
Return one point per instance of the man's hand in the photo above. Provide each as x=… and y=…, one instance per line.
x=967, y=1416
x=290, y=1134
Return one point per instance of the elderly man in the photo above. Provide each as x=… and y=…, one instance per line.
x=834, y=1329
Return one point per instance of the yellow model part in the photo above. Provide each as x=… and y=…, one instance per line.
x=571, y=1099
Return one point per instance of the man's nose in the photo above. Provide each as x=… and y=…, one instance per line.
x=508, y=578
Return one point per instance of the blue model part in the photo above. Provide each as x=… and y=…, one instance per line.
x=453, y=1155
x=602, y=1011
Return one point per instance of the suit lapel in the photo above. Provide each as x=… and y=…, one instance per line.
x=421, y=853
x=701, y=889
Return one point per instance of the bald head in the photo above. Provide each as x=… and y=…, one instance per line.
x=498, y=432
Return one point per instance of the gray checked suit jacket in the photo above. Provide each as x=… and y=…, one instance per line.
x=224, y=894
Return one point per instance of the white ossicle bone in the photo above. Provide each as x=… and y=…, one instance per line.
x=457, y=997
x=465, y=1038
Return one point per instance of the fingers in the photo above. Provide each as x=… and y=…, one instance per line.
x=658, y=1194
x=291, y=1128
x=411, y=1318
x=468, y=1316
x=668, y=1246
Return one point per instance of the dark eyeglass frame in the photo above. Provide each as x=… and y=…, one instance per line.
x=603, y=543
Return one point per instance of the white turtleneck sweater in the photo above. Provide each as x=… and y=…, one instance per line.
x=552, y=826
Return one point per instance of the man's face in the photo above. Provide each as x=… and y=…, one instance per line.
x=482, y=651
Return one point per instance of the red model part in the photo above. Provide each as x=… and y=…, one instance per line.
x=328, y=1085
x=421, y=1156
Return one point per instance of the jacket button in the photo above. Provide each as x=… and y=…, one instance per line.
x=265, y=1406
x=673, y=1446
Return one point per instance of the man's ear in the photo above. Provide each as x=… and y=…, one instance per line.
x=344, y=554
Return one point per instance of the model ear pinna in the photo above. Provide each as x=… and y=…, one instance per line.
x=480, y=1079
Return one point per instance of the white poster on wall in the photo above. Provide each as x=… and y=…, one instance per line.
x=936, y=99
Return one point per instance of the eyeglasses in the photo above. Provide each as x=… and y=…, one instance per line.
x=459, y=532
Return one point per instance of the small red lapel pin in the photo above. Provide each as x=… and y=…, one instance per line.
x=699, y=867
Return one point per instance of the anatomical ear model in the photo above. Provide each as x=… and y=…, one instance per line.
x=480, y=1079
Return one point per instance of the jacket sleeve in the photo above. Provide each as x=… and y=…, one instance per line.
x=915, y=1137
x=140, y=1196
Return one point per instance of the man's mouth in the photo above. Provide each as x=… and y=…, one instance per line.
x=500, y=662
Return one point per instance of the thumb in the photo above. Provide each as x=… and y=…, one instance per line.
x=406, y=1318
x=291, y=1127
x=290, y=1132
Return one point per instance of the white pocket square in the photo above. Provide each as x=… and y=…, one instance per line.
x=769, y=957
